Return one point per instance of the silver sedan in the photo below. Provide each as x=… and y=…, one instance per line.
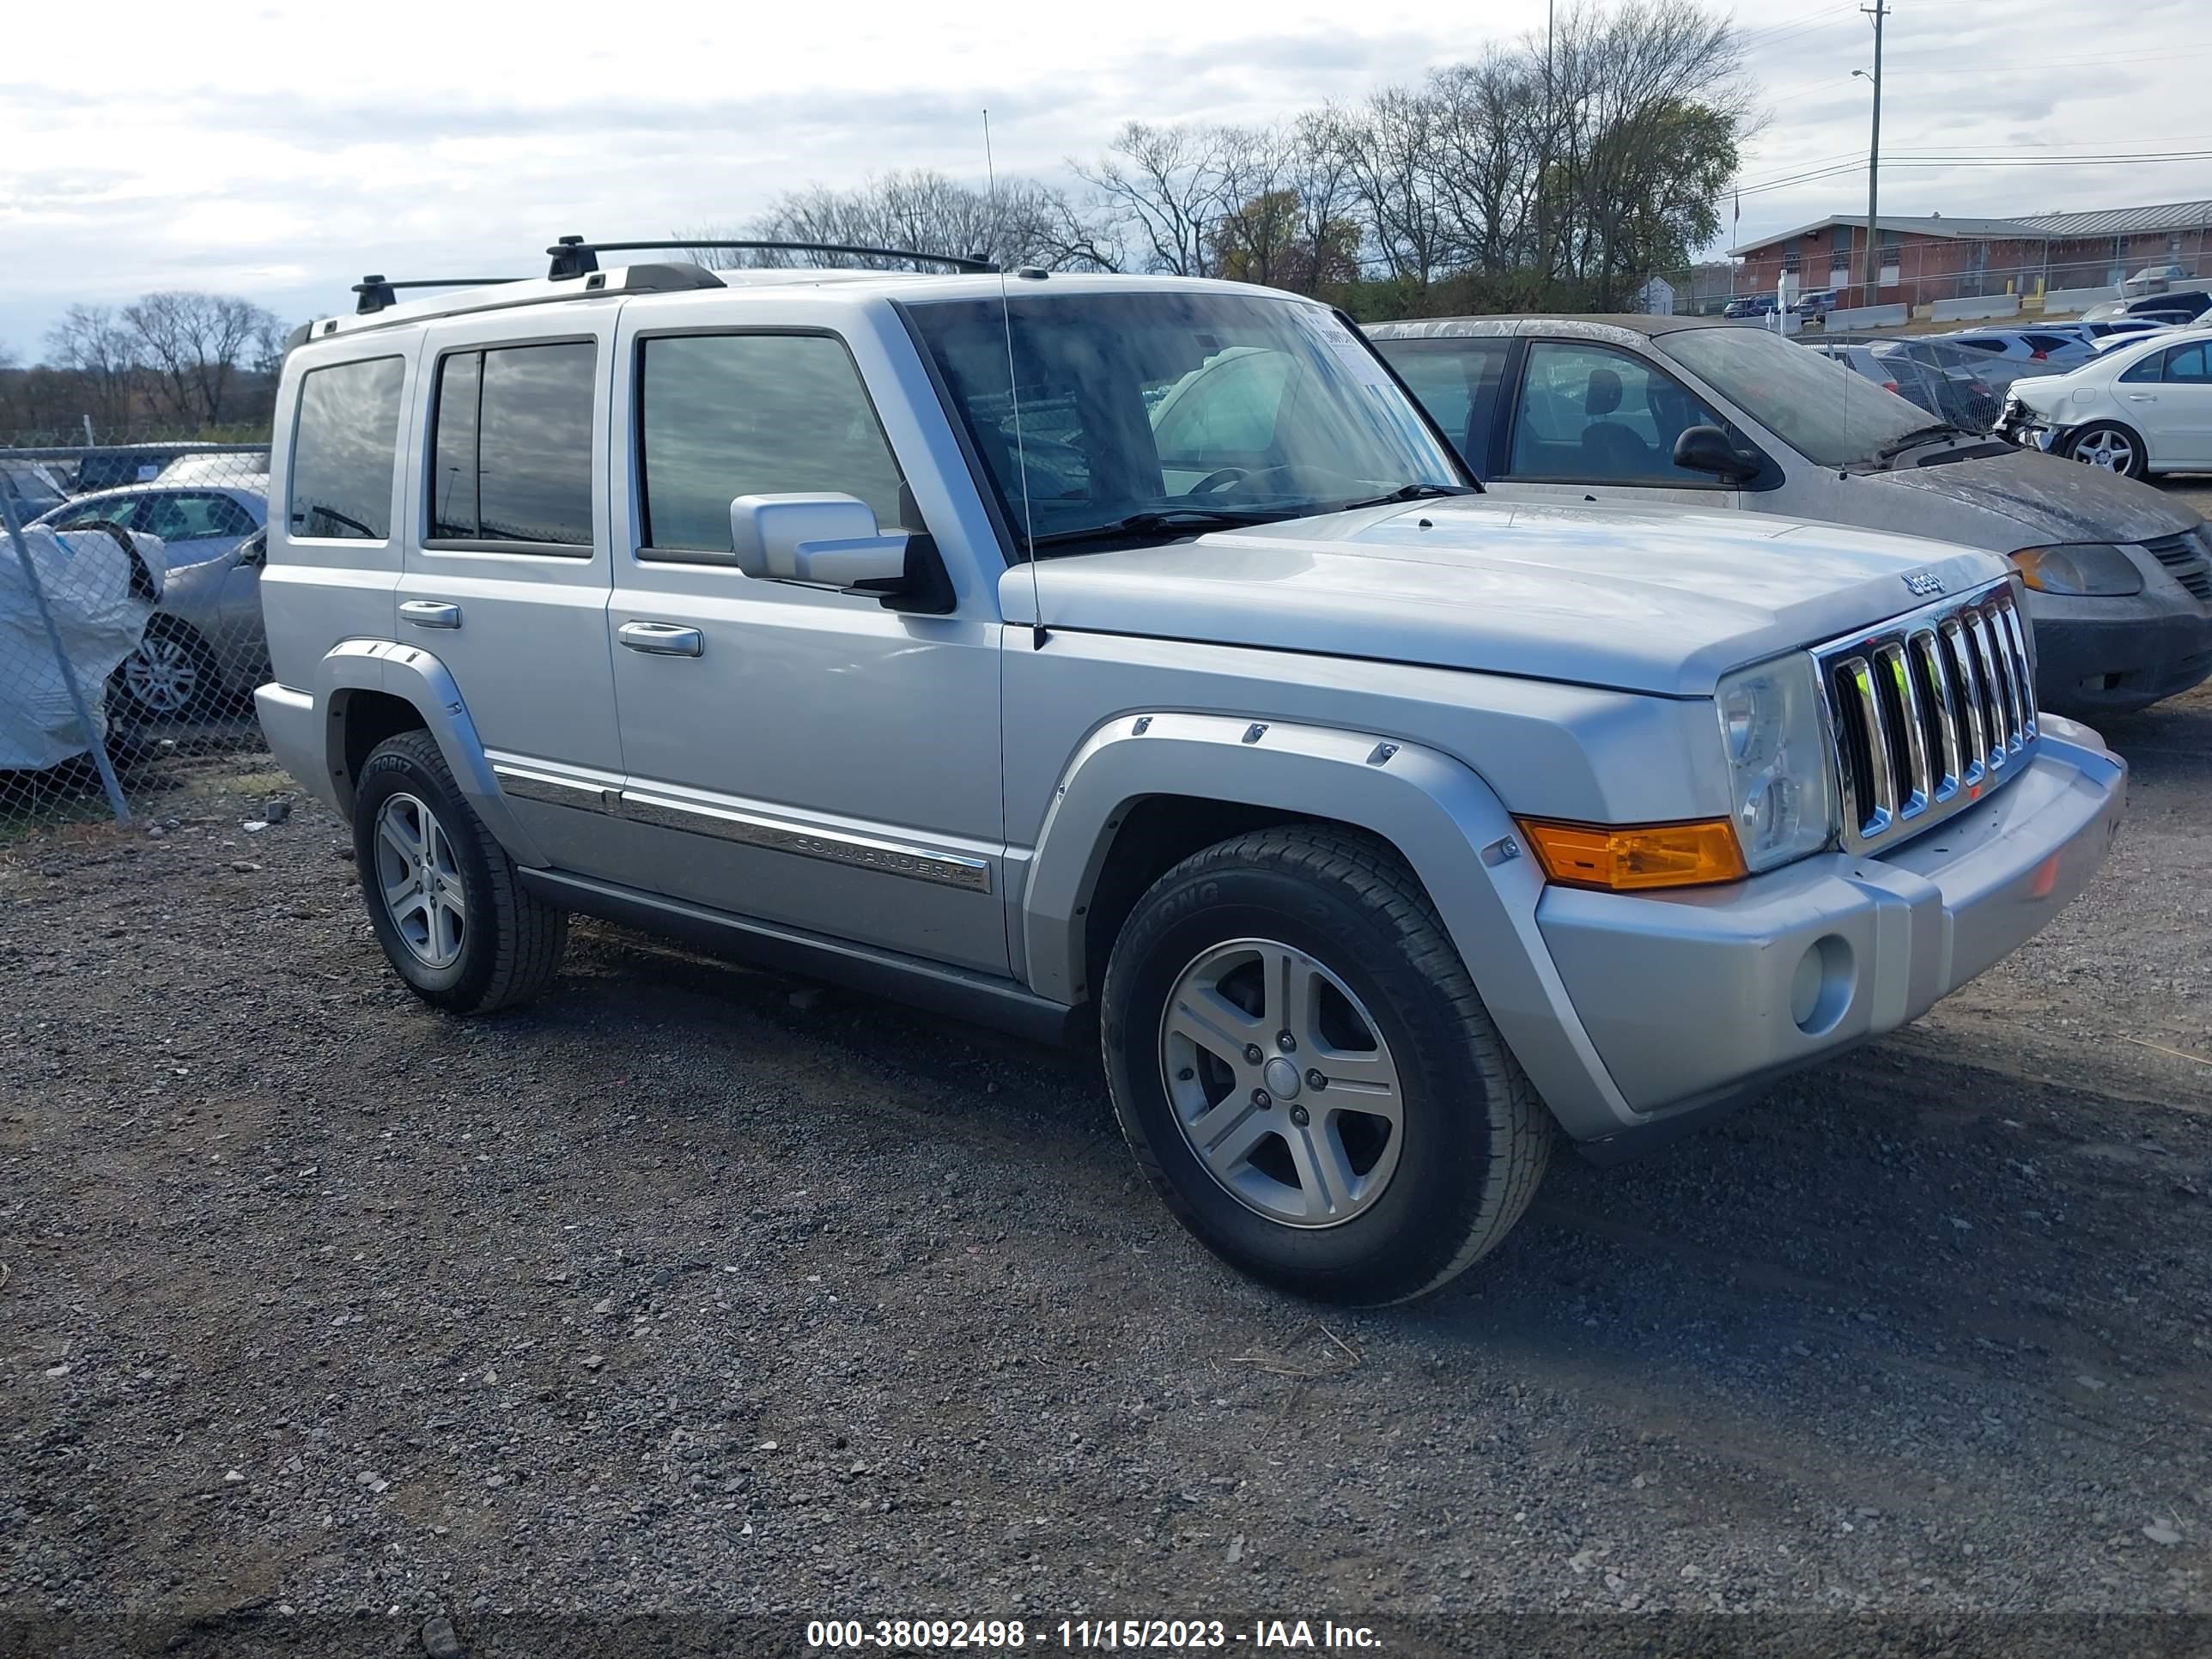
x=203, y=647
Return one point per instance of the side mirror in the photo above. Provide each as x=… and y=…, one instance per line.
x=254, y=549
x=828, y=540
x=1707, y=449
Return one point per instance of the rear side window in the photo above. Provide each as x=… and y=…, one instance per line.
x=727, y=415
x=1457, y=382
x=345, y=449
x=2144, y=371
x=2188, y=366
x=511, y=445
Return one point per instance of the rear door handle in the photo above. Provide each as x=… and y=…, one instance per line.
x=661, y=639
x=2143, y=398
x=431, y=613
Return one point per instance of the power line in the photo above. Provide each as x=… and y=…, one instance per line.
x=1972, y=163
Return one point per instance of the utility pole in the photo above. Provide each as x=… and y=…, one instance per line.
x=1877, y=11
x=1544, y=161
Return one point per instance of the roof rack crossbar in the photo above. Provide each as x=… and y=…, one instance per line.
x=572, y=256
x=379, y=293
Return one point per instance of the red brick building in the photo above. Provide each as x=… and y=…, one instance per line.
x=1940, y=257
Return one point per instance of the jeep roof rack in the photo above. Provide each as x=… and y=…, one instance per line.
x=572, y=256
x=379, y=293
x=378, y=309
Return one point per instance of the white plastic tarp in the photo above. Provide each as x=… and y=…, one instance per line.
x=100, y=615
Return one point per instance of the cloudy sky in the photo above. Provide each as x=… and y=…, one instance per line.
x=278, y=151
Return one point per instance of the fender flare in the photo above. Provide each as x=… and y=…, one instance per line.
x=1442, y=817
x=419, y=679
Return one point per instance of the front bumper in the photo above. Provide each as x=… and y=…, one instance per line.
x=1695, y=1000
x=2113, y=656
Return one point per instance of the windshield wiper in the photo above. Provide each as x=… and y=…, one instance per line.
x=1921, y=435
x=1412, y=492
x=1168, y=522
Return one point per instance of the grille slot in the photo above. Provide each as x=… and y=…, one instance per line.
x=1927, y=710
x=2188, y=556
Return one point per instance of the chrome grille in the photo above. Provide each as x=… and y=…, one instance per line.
x=1928, y=711
x=2188, y=556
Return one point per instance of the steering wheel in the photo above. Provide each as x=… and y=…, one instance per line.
x=1220, y=479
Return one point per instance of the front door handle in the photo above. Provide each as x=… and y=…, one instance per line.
x=431, y=613
x=661, y=639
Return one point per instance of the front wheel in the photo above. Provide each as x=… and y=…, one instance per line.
x=169, y=676
x=1304, y=1071
x=2111, y=446
x=452, y=916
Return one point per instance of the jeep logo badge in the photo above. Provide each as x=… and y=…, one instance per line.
x=1925, y=583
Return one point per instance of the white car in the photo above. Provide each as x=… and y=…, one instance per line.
x=2153, y=279
x=2026, y=345
x=2127, y=333
x=2142, y=408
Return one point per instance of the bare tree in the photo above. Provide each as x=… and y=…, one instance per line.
x=1023, y=222
x=100, y=351
x=1321, y=177
x=198, y=346
x=1165, y=188
x=1390, y=147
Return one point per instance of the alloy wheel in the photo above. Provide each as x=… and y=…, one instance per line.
x=2106, y=448
x=419, y=879
x=161, y=675
x=1281, y=1082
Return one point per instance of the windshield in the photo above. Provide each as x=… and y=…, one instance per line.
x=1180, y=405
x=1820, y=409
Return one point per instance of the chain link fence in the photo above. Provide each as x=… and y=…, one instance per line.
x=130, y=632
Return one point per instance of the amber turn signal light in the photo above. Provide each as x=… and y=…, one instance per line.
x=1623, y=858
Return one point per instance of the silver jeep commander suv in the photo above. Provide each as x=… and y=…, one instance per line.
x=1041, y=649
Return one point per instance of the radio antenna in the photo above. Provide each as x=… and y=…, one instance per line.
x=1014, y=394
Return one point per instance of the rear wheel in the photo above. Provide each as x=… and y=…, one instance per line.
x=453, y=918
x=2108, y=444
x=1303, y=1067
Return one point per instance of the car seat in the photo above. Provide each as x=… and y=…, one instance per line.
x=1610, y=450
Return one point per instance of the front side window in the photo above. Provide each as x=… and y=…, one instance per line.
x=1457, y=381
x=1590, y=412
x=1187, y=405
x=345, y=451
x=195, y=517
x=121, y=513
x=1821, y=409
x=512, y=446
x=721, y=416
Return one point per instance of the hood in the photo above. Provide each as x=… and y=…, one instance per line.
x=1651, y=599
x=2025, y=498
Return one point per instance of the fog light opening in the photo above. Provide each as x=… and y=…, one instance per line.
x=1821, y=989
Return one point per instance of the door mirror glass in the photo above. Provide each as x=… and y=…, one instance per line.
x=1707, y=449
x=828, y=540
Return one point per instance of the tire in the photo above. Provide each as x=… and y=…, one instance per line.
x=2109, y=445
x=170, y=675
x=1386, y=1000
x=500, y=945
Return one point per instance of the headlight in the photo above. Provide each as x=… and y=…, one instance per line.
x=1777, y=760
x=2083, y=570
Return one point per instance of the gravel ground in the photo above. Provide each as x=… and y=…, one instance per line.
x=693, y=1290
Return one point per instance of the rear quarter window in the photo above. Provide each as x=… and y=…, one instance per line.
x=345, y=451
